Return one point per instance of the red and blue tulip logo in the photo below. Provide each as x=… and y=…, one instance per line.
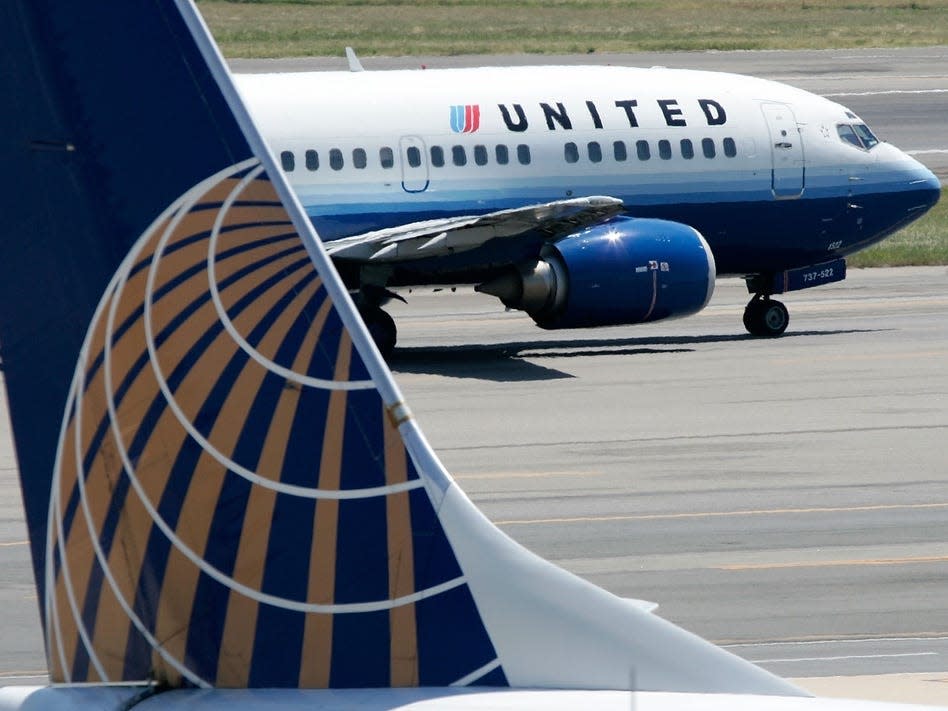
x=465, y=118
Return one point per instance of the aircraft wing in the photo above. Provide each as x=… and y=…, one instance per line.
x=434, y=238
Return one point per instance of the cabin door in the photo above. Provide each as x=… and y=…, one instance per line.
x=786, y=149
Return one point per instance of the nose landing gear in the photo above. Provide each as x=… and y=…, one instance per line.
x=768, y=318
x=765, y=317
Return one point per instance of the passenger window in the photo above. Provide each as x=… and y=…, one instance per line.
x=480, y=155
x=502, y=155
x=687, y=149
x=458, y=155
x=846, y=132
x=523, y=154
x=619, y=151
x=730, y=148
x=437, y=156
x=571, y=152
x=414, y=156
x=664, y=150
x=335, y=159
x=288, y=161
x=386, y=157
x=312, y=160
x=595, y=151
x=359, y=158
x=707, y=147
x=868, y=137
x=642, y=150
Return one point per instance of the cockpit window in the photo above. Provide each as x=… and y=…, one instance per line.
x=858, y=134
x=868, y=138
x=846, y=132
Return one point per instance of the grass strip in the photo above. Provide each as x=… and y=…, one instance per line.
x=272, y=28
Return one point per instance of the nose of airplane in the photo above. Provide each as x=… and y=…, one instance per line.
x=912, y=189
x=923, y=185
x=922, y=181
x=931, y=186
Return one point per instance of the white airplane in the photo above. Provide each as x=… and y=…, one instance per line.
x=587, y=196
x=229, y=503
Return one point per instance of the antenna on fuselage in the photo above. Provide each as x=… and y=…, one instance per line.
x=354, y=64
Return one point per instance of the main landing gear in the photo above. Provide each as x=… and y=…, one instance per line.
x=380, y=325
x=765, y=317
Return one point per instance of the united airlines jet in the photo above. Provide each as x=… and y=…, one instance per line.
x=586, y=196
x=229, y=503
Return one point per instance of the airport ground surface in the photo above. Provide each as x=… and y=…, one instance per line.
x=787, y=498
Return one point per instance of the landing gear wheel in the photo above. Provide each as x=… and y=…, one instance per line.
x=381, y=327
x=766, y=318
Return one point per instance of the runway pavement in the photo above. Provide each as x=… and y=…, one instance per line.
x=787, y=498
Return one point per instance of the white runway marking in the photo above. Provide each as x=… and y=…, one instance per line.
x=843, y=657
x=887, y=92
x=808, y=642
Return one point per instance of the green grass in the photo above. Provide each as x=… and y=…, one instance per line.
x=274, y=28
x=923, y=242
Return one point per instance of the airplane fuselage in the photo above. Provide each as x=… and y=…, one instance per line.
x=767, y=173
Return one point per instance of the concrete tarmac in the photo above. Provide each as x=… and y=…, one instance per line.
x=688, y=463
x=786, y=498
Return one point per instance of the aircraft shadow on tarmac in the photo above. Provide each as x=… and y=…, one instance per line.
x=513, y=361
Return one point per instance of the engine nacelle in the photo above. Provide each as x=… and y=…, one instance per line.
x=625, y=271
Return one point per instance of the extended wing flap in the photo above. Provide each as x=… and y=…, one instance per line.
x=433, y=238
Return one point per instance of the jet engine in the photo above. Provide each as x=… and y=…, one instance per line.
x=627, y=270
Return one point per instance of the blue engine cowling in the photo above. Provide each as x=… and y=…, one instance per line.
x=624, y=271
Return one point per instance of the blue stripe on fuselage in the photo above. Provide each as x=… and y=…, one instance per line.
x=748, y=230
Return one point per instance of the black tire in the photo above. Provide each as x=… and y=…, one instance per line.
x=766, y=318
x=752, y=317
x=381, y=327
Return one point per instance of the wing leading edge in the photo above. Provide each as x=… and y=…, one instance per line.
x=440, y=237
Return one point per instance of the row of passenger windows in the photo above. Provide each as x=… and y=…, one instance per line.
x=643, y=150
x=458, y=155
x=337, y=161
x=481, y=155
